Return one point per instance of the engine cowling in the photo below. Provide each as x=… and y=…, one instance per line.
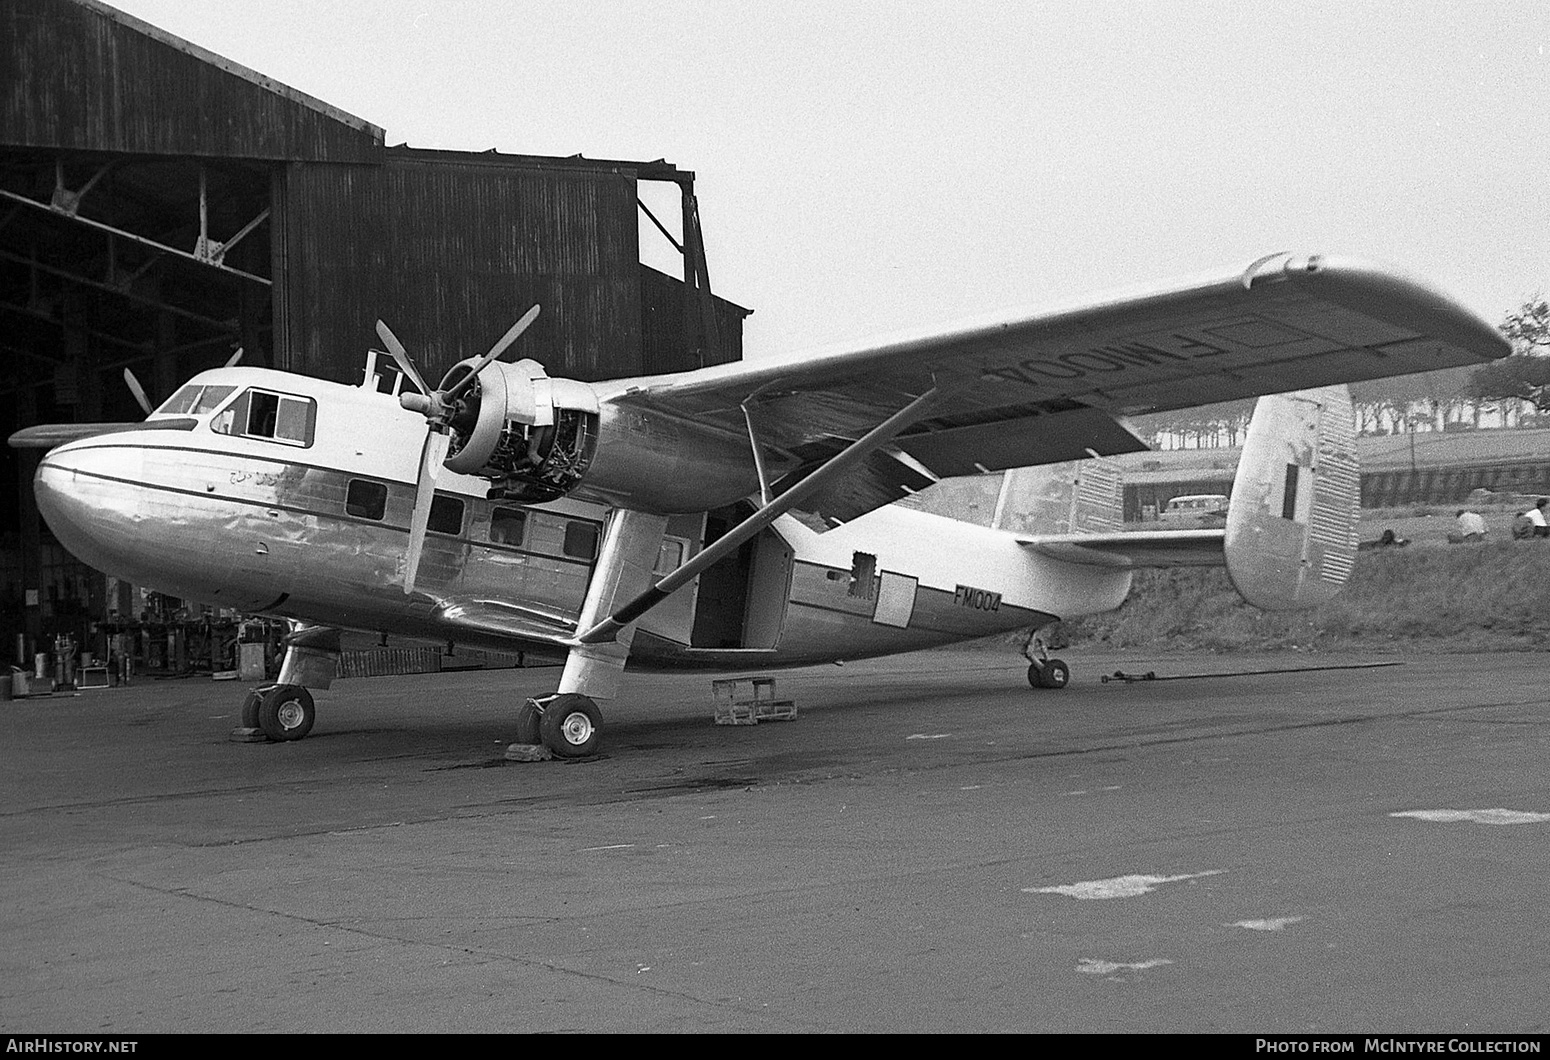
x=533, y=437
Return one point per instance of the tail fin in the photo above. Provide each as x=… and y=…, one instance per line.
x=1077, y=497
x=1291, y=525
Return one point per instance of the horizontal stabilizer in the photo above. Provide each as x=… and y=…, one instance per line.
x=1141, y=548
x=1290, y=539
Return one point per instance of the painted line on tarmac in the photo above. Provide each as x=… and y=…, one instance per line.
x=1496, y=816
x=1093, y=966
x=1276, y=924
x=1118, y=886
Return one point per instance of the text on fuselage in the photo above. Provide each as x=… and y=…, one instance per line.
x=978, y=599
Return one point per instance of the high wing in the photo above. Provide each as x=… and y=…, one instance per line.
x=1042, y=387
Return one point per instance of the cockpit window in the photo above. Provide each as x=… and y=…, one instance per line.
x=210, y=399
x=265, y=414
x=195, y=400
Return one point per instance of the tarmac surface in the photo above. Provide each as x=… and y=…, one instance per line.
x=930, y=846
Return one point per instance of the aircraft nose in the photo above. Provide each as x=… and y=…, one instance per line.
x=86, y=493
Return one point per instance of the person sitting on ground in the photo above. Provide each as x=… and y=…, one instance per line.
x=1532, y=523
x=1471, y=527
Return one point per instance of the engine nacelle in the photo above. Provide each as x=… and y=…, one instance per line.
x=536, y=439
x=532, y=436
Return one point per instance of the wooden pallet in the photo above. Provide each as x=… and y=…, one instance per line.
x=750, y=700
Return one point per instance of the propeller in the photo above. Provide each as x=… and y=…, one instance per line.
x=438, y=407
x=137, y=390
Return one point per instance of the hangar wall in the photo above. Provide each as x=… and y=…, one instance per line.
x=161, y=206
x=450, y=250
x=81, y=74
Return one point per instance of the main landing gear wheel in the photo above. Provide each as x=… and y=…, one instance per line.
x=570, y=725
x=286, y=712
x=1051, y=673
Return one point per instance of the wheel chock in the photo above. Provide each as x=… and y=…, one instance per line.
x=528, y=752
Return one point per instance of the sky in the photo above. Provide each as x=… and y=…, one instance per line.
x=864, y=168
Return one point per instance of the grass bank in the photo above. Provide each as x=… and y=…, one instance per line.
x=1488, y=597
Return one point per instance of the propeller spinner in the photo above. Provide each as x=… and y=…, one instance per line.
x=439, y=407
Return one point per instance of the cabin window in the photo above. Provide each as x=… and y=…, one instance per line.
x=365, y=500
x=266, y=414
x=670, y=557
x=507, y=526
x=446, y=515
x=863, y=569
x=580, y=540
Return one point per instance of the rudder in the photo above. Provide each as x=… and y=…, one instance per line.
x=1291, y=524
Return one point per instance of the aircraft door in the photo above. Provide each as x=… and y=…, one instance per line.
x=742, y=599
x=769, y=590
x=673, y=618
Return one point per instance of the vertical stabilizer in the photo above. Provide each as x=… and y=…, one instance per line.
x=1076, y=497
x=1291, y=524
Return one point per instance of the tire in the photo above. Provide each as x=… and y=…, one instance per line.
x=570, y=725
x=529, y=718
x=286, y=713
x=1056, y=674
x=250, y=704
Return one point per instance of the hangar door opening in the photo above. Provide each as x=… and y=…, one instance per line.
x=742, y=599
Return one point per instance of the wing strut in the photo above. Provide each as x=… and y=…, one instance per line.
x=724, y=545
x=758, y=456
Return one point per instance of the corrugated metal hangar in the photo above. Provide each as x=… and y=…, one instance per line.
x=162, y=207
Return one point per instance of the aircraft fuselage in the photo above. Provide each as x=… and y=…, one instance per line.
x=310, y=521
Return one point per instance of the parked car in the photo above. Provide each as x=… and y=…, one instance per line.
x=1195, y=510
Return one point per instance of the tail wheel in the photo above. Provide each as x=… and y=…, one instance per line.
x=1052, y=673
x=570, y=725
x=286, y=713
x=1056, y=674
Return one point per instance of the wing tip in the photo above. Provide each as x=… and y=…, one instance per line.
x=1386, y=291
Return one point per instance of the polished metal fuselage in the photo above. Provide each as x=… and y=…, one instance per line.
x=261, y=526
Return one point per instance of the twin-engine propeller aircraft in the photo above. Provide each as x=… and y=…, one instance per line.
x=738, y=516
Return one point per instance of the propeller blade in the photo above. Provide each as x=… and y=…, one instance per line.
x=401, y=356
x=231, y=362
x=431, y=456
x=137, y=390
x=512, y=334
